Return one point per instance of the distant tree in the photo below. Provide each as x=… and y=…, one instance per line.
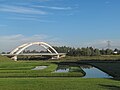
x=27, y=51
x=96, y=52
x=78, y=52
x=116, y=50
x=83, y=51
x=92, y=51
x=109, y=51
x=103, y=52
x=70, y=52
x=34, y=51
x=8, y=52
x=3, y=53
x=88, y=51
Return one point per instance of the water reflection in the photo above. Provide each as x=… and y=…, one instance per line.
x=95, y=73
x=91, y=72
x=62, y=70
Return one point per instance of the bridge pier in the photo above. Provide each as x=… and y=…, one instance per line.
x=55, y=57
x=14, y=58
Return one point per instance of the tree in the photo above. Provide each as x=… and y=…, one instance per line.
x=92, y=51
x=96, y=52
x=78, y=52
x=103, y=52
x=3, y=53
x=88, y=52
x=83, y=51
x=109, y=52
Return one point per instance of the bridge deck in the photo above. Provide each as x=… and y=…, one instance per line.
x=34, y=54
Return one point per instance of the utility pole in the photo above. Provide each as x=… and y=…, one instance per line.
x=108, y=44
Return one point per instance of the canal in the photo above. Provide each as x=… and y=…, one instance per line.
x=90, y=71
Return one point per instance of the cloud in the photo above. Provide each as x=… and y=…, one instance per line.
x=31, y=0
x=21, y=10
x=8, y=43
x=30, y=19
x=107, y=2
x=103, y=44
x=54, y=8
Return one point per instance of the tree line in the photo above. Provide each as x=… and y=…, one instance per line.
x=88, y=51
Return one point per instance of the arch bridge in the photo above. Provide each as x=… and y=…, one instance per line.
x=52, y=52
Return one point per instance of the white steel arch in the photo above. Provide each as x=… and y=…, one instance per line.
x=20, y=48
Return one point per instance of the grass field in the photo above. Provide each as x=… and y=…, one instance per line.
x=58, y=84
x=19, y=76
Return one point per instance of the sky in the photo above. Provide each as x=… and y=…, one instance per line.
x=75, y=23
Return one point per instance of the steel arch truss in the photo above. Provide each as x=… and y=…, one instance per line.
x=21, y=48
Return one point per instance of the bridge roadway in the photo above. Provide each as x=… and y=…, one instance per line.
x=35, y=54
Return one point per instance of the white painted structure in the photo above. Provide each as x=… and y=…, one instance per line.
x=21, y=48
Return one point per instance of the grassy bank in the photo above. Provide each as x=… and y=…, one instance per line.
x=102, y=57
x=5, y=59
x=58, y=84
x=9, y=68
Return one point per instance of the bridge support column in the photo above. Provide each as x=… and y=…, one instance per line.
x=62, y=56
x=56, y=57
x=14, y=58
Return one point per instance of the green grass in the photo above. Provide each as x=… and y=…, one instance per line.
x=58, y=84
x=5, y=59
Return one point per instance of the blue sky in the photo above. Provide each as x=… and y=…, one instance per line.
x=59, y=22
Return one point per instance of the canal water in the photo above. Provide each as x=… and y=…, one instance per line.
x=95, y=73
x=91, y=72
x=39, y=67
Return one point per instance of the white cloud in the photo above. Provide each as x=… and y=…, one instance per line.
x=8, y=43
x=54, y=8
x=107, y=2
x=103, y=44
x=21, y=10
x=26, y=17
x=30, y=19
